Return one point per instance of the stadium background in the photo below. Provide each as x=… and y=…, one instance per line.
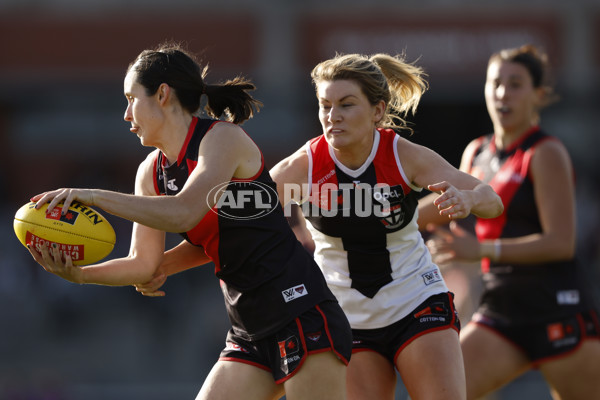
x=61, y=110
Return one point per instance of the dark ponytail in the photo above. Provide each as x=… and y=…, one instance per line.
x=232, y=99
x=171, y=64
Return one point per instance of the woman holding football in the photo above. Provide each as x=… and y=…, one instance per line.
x=535, y=311
x=357, y=185
x=289, y=335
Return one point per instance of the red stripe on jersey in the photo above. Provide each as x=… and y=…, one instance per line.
x=506, y=182
x=191, y=164
x=323, y=173
x=386, y=168
x=206, y=234
x=154, y=177
x=187, y=140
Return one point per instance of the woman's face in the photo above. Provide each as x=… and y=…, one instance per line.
x=346, y=116
x=511, y=99
x=143, y=111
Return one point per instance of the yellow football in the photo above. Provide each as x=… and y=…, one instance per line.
x=81, y=232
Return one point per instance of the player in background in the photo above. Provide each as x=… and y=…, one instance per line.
x=289, y=335
x=535, y=311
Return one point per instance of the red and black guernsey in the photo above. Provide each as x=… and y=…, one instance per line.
x=528, y=290
x=267, y=277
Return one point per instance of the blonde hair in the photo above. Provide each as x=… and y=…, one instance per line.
x=381, y=77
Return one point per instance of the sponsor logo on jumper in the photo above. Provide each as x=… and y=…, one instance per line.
x=294, y=293
x=242, y=200
x=432, y=276
x=171, y=185
x=567, y=297
x=326, y=177
x=76, y=251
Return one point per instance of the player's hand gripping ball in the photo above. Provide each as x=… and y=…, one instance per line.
x=82, y=232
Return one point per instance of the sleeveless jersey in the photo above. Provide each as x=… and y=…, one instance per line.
x=524, y=291
x=267, y=277
x=367, y=242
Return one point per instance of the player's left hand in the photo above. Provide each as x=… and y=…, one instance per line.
x=67, y=196
x=452, y=202
x=52, y=261
x=447, y=245
x=150, y=288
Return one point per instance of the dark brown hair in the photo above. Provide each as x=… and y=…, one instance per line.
x=536, y=63
x=171, y=64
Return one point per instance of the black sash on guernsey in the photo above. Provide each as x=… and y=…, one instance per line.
x=365, y=237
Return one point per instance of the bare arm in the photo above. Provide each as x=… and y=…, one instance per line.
x=145, y=255
x=458, y=194
x=552, y=175
x=554, y=188
x=180, y=258
x=291, y=176
x=428, y=212
x=224, y=153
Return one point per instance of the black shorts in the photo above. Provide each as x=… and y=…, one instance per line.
x=322, y=328
x=542, y=341
x=434, y=314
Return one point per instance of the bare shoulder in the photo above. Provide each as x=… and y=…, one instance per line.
x=292, y=169
x=551, y=152
x=144, y=180
x=226, y=132
x=291, y=173
x=551, y=157
x=413, y=156
x=469, y=154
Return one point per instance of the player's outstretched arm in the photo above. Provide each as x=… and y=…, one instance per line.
x=180, y=258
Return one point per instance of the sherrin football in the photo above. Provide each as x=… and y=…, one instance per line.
x=82, y=232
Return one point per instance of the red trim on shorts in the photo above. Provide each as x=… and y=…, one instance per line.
x=318, y=351
x=436, y=329
x=584, y=336
x=361, y=349
x=499, y=334
x=263, y=367
x=326, y=324
x=536, y=364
